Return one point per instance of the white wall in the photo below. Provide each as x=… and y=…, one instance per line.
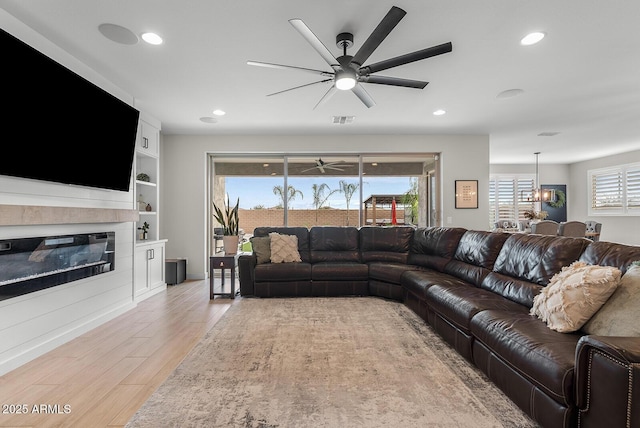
x=184, y=176
x=35, y=323
x=625, y=230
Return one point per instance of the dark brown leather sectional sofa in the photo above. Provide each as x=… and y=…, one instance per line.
x=475, y=289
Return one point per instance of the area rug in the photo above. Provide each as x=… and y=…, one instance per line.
x=325, y=362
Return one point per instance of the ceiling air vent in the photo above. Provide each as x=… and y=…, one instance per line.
x=342, y=120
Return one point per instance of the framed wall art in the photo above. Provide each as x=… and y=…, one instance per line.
x=466, y=194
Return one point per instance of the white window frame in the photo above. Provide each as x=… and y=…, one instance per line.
x=627, y=194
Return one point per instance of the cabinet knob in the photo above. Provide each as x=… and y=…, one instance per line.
x=221, y=264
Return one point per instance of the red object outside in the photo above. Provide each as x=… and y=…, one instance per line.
x=394, y=220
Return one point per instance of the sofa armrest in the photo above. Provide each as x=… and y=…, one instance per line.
x=608, y=381
x=246, y=268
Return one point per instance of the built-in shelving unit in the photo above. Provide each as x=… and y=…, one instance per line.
x=149, y=254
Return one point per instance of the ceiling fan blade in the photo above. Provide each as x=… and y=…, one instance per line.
x=313, y=40
x=332, y=90
x=407, y=58
x=394, y=81
x=301, y=86
x=388, y=23
x=363, y=95
x=290, y=67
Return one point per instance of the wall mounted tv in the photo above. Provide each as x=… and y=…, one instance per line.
x=58, y=126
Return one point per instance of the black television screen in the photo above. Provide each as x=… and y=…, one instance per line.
x=58, y=126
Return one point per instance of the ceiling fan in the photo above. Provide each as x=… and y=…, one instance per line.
x=322, y=166
x=348, y=71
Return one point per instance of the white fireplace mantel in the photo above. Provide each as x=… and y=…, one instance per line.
x=21, y=215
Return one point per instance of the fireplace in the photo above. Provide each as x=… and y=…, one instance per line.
x=31, y=264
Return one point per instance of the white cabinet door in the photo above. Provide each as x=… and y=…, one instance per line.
x=149, y=269
x=156, y=266
x=148, y=141
x=141, y=274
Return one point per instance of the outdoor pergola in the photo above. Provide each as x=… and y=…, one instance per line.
x=378, y=209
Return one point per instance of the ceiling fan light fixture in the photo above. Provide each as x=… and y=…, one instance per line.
x=532, y=38
x=152, y=38
x=345, y=80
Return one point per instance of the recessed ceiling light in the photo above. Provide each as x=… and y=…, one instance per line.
x=208, y=119
x=219, y=112
x=118, y=34
x=152, y=38
x=439, y=112
x=509, y=93
x=532, y=38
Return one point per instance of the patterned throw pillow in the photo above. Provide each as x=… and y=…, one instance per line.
x=261, y=246
x=619, y=316
x=574, y=295
x=284, y=248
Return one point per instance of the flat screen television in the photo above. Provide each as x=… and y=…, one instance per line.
x=58, y=126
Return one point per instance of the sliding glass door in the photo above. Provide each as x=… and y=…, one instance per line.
x=327, y=189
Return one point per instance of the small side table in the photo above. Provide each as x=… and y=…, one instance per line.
x=222, y=262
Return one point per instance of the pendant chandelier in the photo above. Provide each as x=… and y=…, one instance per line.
x=538, y=194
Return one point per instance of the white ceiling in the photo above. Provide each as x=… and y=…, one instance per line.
x=582, y=80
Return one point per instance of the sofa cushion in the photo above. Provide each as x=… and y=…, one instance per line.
x=261, y=246
x=476, y=255
x=458, y=303
x=574, y=295
x=434, y=247
x=418, y=281
x=527, y=262
x=389, y=272
x=334, y=244
x=609, y=254
x=285, y=272
x=619, y=315
x=385, y=244
x=339, y=271
x=544, y=357
x=284, y=248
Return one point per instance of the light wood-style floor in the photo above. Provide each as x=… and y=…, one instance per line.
x=101, y=378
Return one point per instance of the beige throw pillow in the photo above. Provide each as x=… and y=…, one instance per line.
x=620, y=315
x=284, y=248
x=574, y=295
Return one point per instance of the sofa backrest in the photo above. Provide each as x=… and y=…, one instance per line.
x=527, y=262
x=476, y=255
x=610, y=254
x=301, y=232
x=385, y=244
x=334, y=244
x=434, y=247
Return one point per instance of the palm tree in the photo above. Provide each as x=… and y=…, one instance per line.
x=348, y=189
x=411, y=198
x=319, y=196
x=290, y=194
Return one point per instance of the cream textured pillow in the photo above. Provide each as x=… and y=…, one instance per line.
x=574, y=295
x=284, y=248
x=620, y=316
